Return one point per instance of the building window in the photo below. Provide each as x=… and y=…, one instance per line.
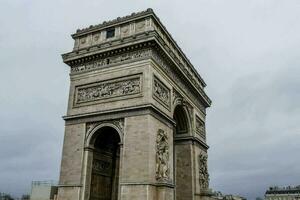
x=110, y=33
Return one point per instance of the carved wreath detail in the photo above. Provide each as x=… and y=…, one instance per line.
x=162, y=156
x=203, y=172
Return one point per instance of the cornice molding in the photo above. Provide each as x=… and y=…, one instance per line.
x=156, y=25
x=123, y=112
x=157, y=35
x=167, y=61
x=156, y=184
x=184, y=71
x=108, y=48
x=192, y=139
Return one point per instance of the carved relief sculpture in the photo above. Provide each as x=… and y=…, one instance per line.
x=203, y=172
x=140, y=26
x=161, y=92
x=107, y=89
x=101, y=63
x=177, y=98
x=162, y=156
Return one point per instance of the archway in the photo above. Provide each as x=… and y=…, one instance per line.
x=181, y=154
x=181, y=119
x=105, y=165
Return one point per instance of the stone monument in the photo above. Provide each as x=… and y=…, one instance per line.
x=135, y=124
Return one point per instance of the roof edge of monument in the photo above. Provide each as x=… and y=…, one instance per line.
x=132, y=16
x=115, y=21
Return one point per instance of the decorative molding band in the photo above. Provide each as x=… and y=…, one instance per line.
x=200, y=127
x=105, y=62
x=169, y=70
x=110, y=48
x=69, y=185
x=188, y=72
x=95, y=60
x=144, y=109
x=124, y=86
x=170, y=185
x=177, y=54
x=161, y=93
x=99, y=60
x=192, y=139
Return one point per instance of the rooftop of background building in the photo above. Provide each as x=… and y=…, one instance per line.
x=284, y=190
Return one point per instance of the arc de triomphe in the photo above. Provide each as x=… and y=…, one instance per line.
x=135, y=124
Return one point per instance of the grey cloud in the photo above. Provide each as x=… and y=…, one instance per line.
x=247, y=52
x=257, y=143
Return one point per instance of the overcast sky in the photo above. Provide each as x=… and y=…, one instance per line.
x=246, y=51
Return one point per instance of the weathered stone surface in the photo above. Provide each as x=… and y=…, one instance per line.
x=70, y=174
x=125, y=89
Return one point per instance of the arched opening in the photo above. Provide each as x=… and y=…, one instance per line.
x=181, y=120
x=181, y=154
x=105, y=165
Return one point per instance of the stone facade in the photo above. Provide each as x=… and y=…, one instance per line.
x=283, y=193
x=137, y=106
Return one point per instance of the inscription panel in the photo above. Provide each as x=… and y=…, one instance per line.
x=110, y=89
x=161, y=93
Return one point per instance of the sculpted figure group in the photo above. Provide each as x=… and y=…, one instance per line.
x=162, y=156
x=203, y=172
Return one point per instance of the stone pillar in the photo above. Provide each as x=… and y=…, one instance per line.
x=184, y=171
x=139, y=176
x=72, y=161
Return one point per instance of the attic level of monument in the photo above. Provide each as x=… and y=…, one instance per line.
x=131, y=25
x=136, y=32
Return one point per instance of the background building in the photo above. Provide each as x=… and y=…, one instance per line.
x=43, y=190
x=219, y=196
x=4, y=196
x=283, y=193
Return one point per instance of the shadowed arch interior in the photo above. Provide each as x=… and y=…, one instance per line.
x=106, y=138
x=181, y=120
x=105, y=166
